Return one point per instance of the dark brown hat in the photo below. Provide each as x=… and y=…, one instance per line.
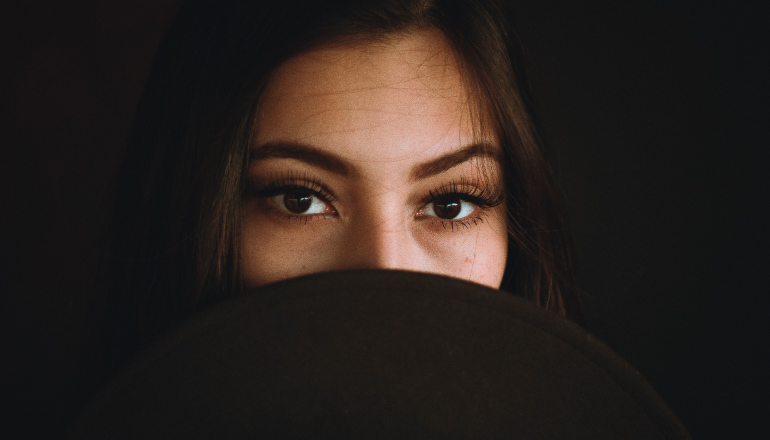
x=378, y=354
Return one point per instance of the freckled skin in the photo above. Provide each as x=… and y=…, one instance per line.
x=384, y=107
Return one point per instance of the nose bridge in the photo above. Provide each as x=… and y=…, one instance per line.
x=387, y=245
x=380, y=238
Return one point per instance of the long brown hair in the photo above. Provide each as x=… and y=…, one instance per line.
x=175, y=246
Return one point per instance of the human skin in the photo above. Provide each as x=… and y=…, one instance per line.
x=357, y=163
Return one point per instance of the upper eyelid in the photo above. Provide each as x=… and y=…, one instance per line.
x=276, y=186
x=468, y=191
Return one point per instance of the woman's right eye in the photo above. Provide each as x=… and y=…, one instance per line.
x=301, y=202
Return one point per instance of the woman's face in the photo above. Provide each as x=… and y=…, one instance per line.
x=367, y=156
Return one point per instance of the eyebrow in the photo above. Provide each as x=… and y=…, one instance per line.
x=337, y=165
x=305, y=153
x=451, y=160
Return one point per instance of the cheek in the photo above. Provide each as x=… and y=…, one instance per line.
x=274, y=249
x=478, y=255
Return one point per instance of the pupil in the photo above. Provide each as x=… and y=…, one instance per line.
x=297, y=202
x=447, y=208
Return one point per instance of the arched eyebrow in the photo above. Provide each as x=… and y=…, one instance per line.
x=336, y=164
x=451, y=160
x=305, y=153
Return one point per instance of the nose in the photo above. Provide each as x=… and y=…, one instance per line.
x=383, y=244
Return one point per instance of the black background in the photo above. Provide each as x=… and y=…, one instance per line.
x=656, y=114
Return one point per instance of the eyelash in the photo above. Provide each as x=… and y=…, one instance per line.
x=292, y=182
x=466, y=190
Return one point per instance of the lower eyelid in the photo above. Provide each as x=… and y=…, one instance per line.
x=289, y=217
x=463, y=224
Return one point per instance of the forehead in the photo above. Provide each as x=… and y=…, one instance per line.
x=398, y=98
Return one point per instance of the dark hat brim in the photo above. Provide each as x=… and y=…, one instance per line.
x=377, y=354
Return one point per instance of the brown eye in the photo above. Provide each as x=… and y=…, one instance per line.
x=447, y=208
x=297, y=202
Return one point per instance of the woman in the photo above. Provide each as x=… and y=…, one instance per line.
x=277, y=139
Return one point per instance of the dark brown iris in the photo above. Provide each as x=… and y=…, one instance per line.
x=447, y=208
x=297, y=201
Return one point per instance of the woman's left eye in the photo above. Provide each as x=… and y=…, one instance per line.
x=449, y=208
